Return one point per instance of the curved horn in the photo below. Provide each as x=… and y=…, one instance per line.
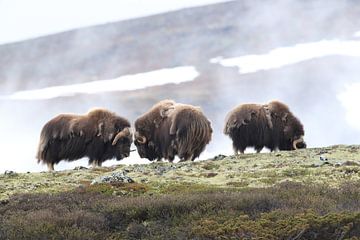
x=295, y=142
x=140, y=139
x=125, y=132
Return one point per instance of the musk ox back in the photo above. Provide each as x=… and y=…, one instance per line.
x=169, y=129
x=271, y=125
x=99, y=135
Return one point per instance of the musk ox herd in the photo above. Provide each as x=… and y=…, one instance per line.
x=167, y=130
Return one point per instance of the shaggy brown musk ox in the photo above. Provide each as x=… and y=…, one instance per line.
x=271, y=125
x=99, y=135
x=169, y=129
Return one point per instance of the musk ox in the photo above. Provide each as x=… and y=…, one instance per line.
x=98, y=135
x=271, y=125
x=169, y=129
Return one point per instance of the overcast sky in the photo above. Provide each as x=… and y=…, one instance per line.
x=24, y=19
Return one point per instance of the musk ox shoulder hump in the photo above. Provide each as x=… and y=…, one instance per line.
x=279, y=109
x=241, y=115
x=155, y=115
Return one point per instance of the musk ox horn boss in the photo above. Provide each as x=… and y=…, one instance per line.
x=169, y=129
x=271, y=125
x=98, y=135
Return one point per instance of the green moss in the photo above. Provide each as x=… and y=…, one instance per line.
x=211, y=166
x=277, y=225
x=116, y=188
x=180, y=188
x=295, y=172
x=240, y=184
x=208, y=175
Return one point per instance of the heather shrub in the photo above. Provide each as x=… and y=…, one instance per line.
x=285, y=211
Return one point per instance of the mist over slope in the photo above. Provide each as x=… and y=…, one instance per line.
x=186, y=37
x=190, y=37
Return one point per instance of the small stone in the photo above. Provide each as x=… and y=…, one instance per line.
x=10, y=173
x=323, y=152
x=113, y=178
x=4, y=201
x=323, y=158
x=219, y=157
x=350, y=163
x=80, y=168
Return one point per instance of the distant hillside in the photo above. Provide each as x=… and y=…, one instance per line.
x=186, y=37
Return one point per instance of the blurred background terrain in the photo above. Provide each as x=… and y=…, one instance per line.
x=321, y=89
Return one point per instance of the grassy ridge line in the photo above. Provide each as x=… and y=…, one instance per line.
x=243, y=171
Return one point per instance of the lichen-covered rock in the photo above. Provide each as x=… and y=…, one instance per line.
x=113, y=178
x=10, y=173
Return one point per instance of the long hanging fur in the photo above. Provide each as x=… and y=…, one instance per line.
x=192, y=131
x=70, y=137
x=172, y=129
x=271, y=125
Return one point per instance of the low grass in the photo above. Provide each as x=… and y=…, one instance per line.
x=285, y=211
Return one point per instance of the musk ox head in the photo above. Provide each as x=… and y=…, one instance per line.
x=122, y=143
x=113, y=130
x=146, y=126
x=293, y=135
x=291, y=130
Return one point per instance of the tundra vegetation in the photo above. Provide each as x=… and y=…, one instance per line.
x=303, y=194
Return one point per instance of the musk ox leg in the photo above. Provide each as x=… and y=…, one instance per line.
x=238, y=151
x=96, y=163
x=50, y=167
x=184, y=157
x=238, y=148
x=275, y=149
x=93, y=164
x=258, y=149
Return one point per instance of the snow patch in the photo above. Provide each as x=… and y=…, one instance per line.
x=283, y=56
x=124, y=83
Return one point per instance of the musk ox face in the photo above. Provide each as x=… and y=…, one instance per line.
x=294, y=134
x=145, y=148
x=147, y=151
x=122, y=143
